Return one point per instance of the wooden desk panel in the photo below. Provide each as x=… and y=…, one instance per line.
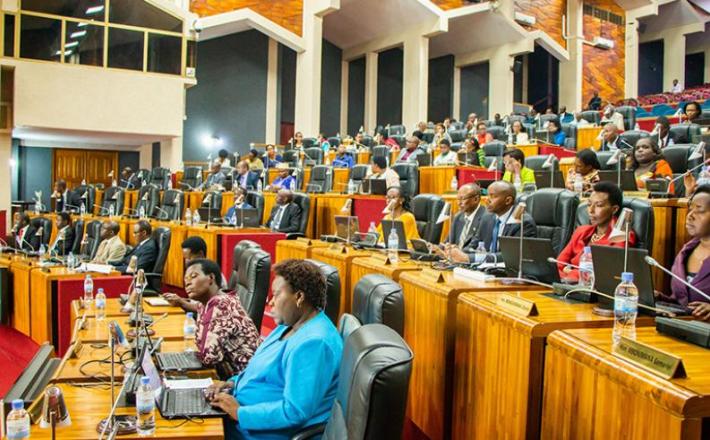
x=436, y=180
x=429, y=329
x=21, y=295
x=327, y=206
x=298, y=249
x=89, y=405
x=341, y=258
x=527, y=149
x=169, y=328
x=587, y=137
x=362, y=266
x=589, y=393
x=499, y=362
x=113, y=309
x=130, y=201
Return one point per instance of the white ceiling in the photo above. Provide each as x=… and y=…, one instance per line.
x=59, y=137
x=633, y=4
x=360, y=21
x=670, y=15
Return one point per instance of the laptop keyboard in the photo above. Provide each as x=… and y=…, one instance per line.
x=187, y=402
x=179, y=361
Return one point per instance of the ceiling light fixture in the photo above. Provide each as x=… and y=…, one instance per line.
x=94, y=10
x=78, y=34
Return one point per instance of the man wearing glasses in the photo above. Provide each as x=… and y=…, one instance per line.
x=145, y=252
x=465, y=223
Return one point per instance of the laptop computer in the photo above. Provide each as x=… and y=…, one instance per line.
x=245, y=218
x=178, y=361
x=424, y=160
x=543, y=179
x=536, y=251
x=628, y=179
x=343, y=223
x=609, y=263
x=398, y=226
x=375, y=186
x=213, y=214
x=177, y=403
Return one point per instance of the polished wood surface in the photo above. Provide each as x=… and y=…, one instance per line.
x=590, y=393
x=91, y=165
x=21, y=299
x=499, y=362
x=587, y=137
x=88, y=405
x=169, y=328
x=436, y=180
x=429, y=329
x=299, y=249
x=362, y=266
x=340, y=257
x=114, y=309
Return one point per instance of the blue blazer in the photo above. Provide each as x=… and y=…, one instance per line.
x=231, y=211
x=251, y=182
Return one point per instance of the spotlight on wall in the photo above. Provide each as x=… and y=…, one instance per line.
x=212, y=141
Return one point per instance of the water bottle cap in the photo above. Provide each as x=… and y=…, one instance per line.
x=145, y=380
x=587, y=249
x=101, y=290
x=190, y=315
x=627, y=277
x=18, y=404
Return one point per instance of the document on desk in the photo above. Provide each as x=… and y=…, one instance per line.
x=187, y=384
x=157, y=302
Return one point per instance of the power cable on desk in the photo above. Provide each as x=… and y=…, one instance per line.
x=197, y=420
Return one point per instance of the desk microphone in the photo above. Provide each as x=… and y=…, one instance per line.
x=101, y=208
x=167, y=215
x=160, y=318
x=652, y=262
x=553, y=260
x=189, y=188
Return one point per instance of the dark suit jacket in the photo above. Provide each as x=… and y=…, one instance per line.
x=458, y=223
x=291, y=219
x=73, y=200
x=65, y=246
x=31, y=241
x=133, y=182
x=252, y=180
x=485, y=233
x=147, y=254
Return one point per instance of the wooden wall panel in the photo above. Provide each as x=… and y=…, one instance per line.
x=69, y=165
x=548, y=15
x=604, y=69
x=99, y=164
x=285, y=13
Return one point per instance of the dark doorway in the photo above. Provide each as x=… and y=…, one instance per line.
x=475, y=90
x=543, y=79
x=694, y=69
x=650, y=67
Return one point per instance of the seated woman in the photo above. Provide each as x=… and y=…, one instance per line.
x=291, y=381
x=271, y=159
x=240, y=197
x=603, y=206
x=226, y=337
x=343, y=159
x=399, y=210
x=482, y=135
x=693, y=261
x=446, y=155
x=440, y=133
x=520, y=136
x=471, y=153
x=557, y=136
x=586, y=166
x=647, y=163
x=515, y=170
x=284, y=181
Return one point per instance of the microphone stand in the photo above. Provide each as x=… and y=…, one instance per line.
x=652, y=262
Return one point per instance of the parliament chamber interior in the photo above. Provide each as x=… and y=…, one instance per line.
x=355, y=219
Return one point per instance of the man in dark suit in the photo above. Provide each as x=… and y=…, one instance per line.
x=248, y=180
x=145, y=252
x=499, y=221
x=25, y=235
x=64, y=240
x=665, y=136
x=286, y=215
x=610, y=138
x=466, y=222
x=65, y=200
x=129, y=180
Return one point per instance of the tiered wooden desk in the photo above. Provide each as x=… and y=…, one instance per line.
x=500, y=355
x=436, y=180
x=169, y=328
x=430, y=329
x=299, y=249
x=587, y=137
x=341, y=258
x=589, y=393
x=378, y=264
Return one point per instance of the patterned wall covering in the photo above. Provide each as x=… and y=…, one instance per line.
x=286, y=13
x=548, y=16
x=603, y=69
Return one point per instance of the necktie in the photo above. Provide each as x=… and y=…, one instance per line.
x=464, y=232
x=494, y=239
x=277, y=218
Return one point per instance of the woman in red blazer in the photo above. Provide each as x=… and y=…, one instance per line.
x=604, y=205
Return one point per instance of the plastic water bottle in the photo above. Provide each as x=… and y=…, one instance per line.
x=259, y=186
x=88, y=290
x=100, y=305
x=145, y=408
x=82, y=209
x=351, y=186
x=586, y=269
x=704, y=176
x=188, y=217
x=517, y=182
x=626, y=298
x=170, y=183
x=111, y=210
x=454, y=185
x=196, y=218
x=42, y=253
x=393, y=246
x=18, y=421
x=480, y=252
x=189, y=328
x=372, y=229
x=578, y=183
x=141, y=212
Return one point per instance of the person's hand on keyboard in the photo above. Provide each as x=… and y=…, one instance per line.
x=218, y=387
x=701, y=310
x=227, y=403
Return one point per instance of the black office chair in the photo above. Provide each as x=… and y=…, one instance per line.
x=44, y=225
x=633, y=136
x=85, y=194
x=629, y=114
x=321, y=179
x=398, y=129
x=408, y=178
x=143, y=176
x=458, y=125
x=148, y=198
x=641, y=223
x=458, y=135
x=373, y=383
x=547, y=118
x=358, y=173
x=428, y=137
x=113, y=196
x=535, y=163
x=314, y=154
x=677, y=157
x=290, y=157
x=332, y=291
x=253, y=282
x=367, y=140
x=592, y=116
x=161, y=235
x=236, y=259
x=191, y=178
x=570, y=131
x=78, y=234
x=377, y=299
x=380, y=151
x=303, y=202
x=213, y=200
x=160, y=177
x=426, y=209
x=494, y=148
x=554, y=211
x=172, y=205
x=334, y=141
x=498, y=133
x=604, y=157
x=309, y=142
x=256, y=199
x=90, y=240
x=400, y=139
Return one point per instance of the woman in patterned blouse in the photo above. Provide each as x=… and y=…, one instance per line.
x=226, y=337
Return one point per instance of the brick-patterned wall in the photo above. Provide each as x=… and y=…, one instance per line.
x=548, y=16
x=603, y=69
x=285, y=13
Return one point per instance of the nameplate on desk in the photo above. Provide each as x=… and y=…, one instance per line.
x=516, y=305
x=382, y=258
x=432, y=275
x=637, y=194
x=663, y=364
x=306, y=241
x=338, y=247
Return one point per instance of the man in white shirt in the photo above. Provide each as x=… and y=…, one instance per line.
x=676, y=87
x=446, y=155
x=610, y=137
x=579, y=121
x=380, y=171
x=611, y=115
